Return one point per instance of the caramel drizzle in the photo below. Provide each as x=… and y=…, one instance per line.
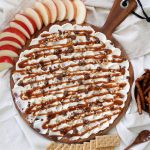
x=63, y=45
x=42, y=48
x=31, y=75
x=48, y=52
x=47, y=63
x=51, y=116
x=75, y=32
x=22, y=83
x=67, y=36
x=67, y=129
x=48, y=103
x=30, y=92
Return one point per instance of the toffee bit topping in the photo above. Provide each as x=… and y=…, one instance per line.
x=80, y=82
x=112, y=107
x=99, y=104
x=86, y=76
x=87, y=109
x=76, y=32
x=97, y=41
x=50, y=70
x=46, y=41
x=120, y=95
x=49, y=116
x=87, y=37
x=29, y=71
x=46, y=82
x=75, y=131
x=90, y=88
x=73, y=58
x=82, y=63
x=86, y=91
x=60, y=77
x=108, y=51
x=57, y=51
x=44, y=68
x=34, y=56
x=59, y=56
x=109, y=78
x=80, y=90
x=28, y=94
x=29, y=104
x=85, y=121
x=99, y=69
x=63, y=131
x=70, y=49
x=60, y=32
x=122, y=70
x=72, y=37
x=41, y=63
x=97, y=87
x=66, y=93
x=64, y=113
x=68, y=135
x=77, y=99
x=21, y=83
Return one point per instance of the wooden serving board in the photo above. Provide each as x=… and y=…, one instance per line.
x=116, y=16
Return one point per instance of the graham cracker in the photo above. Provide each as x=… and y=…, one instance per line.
x=107, y=141
x=93, y=145
x=59, y=147
x=105, y=148
x=86, y=146
x=66, y=147
x=52, y=146
x=72, y=147
x=79, y=146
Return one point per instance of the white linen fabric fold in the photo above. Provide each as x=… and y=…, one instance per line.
x=133, y=34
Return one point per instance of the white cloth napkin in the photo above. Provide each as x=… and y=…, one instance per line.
x=133, y=34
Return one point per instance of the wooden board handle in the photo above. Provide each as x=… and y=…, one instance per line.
x=117, y=14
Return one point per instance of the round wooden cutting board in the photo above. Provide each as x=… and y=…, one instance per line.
x=117, y=14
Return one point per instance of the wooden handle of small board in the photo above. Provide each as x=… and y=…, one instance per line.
x=120, y=10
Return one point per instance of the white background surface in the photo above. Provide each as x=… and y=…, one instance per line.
x=133, y=34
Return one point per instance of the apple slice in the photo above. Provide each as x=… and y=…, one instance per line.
x=52, y=8
x=15, y=33
x=8, y=50
x=35, y=16
x=71, y=9
x=61, y=9
x=43, y=10
x=21, y=27
x=27, y=21
x=81, y=11
x=5, y=63
x=10, y=41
